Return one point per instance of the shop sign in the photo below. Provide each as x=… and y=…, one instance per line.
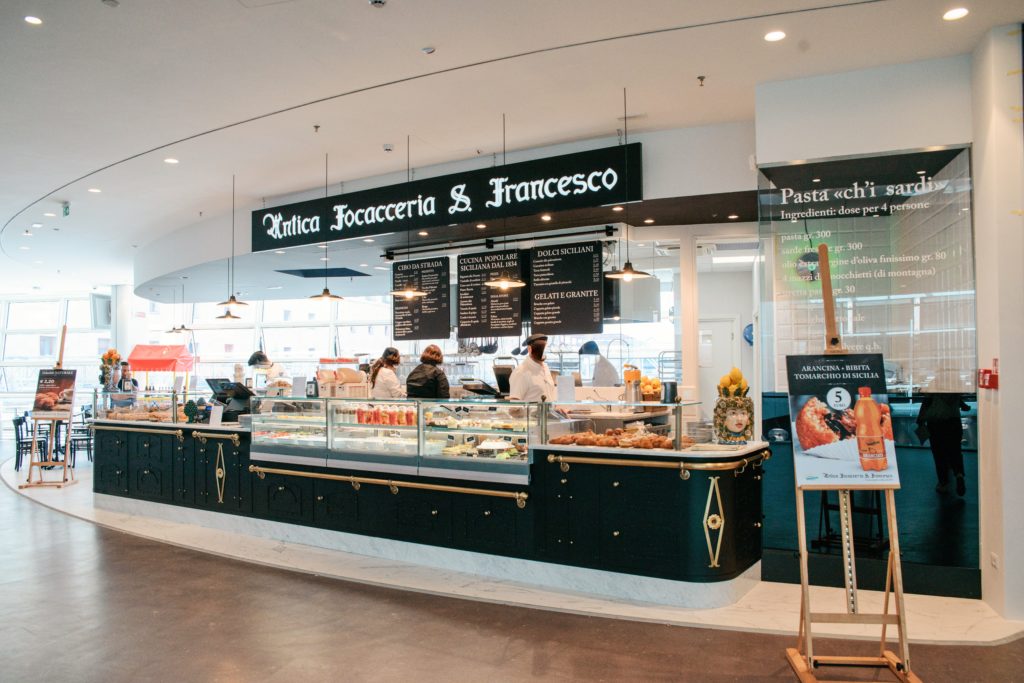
x=841, y=423
x=571, y=181
x=422, y=317
x=566, y=289
x=486, y=311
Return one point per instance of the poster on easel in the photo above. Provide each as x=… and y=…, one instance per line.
x=841, y=422
x=55, y=394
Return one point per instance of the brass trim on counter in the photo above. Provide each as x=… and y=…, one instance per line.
x=162, y=432
x=714, y=521
x=203, y=436
x=519, y=496
x=738, y=466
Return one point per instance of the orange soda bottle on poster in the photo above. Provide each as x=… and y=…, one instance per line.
x=870, y=443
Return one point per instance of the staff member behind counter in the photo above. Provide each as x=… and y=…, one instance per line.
x=531, y=380
x=605, y=374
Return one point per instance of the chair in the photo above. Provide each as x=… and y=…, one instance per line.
x=81, y=437
x=23, y=441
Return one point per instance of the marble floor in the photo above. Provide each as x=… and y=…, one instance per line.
x=769, y=608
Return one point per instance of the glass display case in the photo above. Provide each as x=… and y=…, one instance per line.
x=139, y=406
x=291, y=430
x=375, y=435
x=647, y=426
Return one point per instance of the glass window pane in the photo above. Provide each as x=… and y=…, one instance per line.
x=365, y=309
x=21, y=379
x=296, y=310
x=34, y=315
x=295, y=343
x=225, y=345
x=84, y=345
x=30, y=347
x=79, y=313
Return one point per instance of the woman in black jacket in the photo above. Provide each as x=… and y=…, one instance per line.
x=427, y=380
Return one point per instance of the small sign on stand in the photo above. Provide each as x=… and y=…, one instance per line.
x=54, y=403
x=842, y=440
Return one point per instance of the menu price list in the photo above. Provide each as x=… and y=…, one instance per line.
x=567, y=289
x=423, y=317
x=486, y=311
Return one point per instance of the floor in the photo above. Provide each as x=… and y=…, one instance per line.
x=85, y=603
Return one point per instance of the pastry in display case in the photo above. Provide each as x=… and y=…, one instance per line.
x=289, y=430
x=139, y=406
x=620, y=427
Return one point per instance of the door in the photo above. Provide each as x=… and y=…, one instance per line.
x=718, y=352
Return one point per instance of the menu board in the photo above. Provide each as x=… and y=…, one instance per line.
x=422, y=317
x=55, y=394
x=566, y=289
x=487, y=311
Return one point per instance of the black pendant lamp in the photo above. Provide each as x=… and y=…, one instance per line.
x=182, y=329
x=505, y=281
x=409, y=291
x=231, y=303
x=627, y=273
x=326, y=294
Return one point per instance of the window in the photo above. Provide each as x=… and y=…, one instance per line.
x=34, y=315
x=79, y=314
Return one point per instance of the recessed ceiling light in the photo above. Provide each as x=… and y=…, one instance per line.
x=546, y=217
x=379, y=268
x=276, y=287
x=27, y=233
x=481, y=226
x=23, y=248
x=774, y=36
x=35, y=21
x=733, y=216
x=616, y=208
x=279, y=251
x=951, y=15
x=95, y=190
x=368, y=240
x=815, y=180
x=37, y=225
x=170, y=160
x=423, y=233
x=50, y=214
x=364, y=265
x=321, y=246
x=325, y=258
x=922, y=172
x=648, y=221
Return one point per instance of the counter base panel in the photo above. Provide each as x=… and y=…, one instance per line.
x=567, y=578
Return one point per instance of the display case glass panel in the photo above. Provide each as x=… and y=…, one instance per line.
x=379, y=435
x=292, y=430
x=139, y=406
x=647, y=426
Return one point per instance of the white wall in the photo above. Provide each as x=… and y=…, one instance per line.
x=998, y=163
x=888, y=108
x=729, y=294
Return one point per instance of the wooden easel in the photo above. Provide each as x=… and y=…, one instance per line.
x=802, y=657
x=37, y=465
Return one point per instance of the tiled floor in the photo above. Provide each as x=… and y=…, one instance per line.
x=85, y=603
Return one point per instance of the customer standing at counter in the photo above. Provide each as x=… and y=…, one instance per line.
x=383, y=379
x=427, y=380
x=531, y=380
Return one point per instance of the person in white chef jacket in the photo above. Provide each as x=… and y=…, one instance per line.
x=531, y=380
x=605, y=374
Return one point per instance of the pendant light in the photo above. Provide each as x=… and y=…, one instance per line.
x=627, y=273
x=409, y=291
x=326, y=294
x=182, y=328
x=232, y=303
x=504, y=281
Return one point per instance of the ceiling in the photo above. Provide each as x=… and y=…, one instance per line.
x=98, y=96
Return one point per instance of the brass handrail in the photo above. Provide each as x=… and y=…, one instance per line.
x=519, y=496
x=163, y=432
x=203, y=436
x=738, y=466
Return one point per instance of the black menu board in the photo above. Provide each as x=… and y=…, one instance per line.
x=485, y=311
x=566, y=288
x=422, y=317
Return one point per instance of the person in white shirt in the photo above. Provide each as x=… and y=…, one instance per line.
x=605, y=374
x=531, y=380
x=383, y=380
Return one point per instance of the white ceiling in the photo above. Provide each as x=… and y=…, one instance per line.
x=87, y=95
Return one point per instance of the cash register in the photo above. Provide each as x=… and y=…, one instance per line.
x=232, y=395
